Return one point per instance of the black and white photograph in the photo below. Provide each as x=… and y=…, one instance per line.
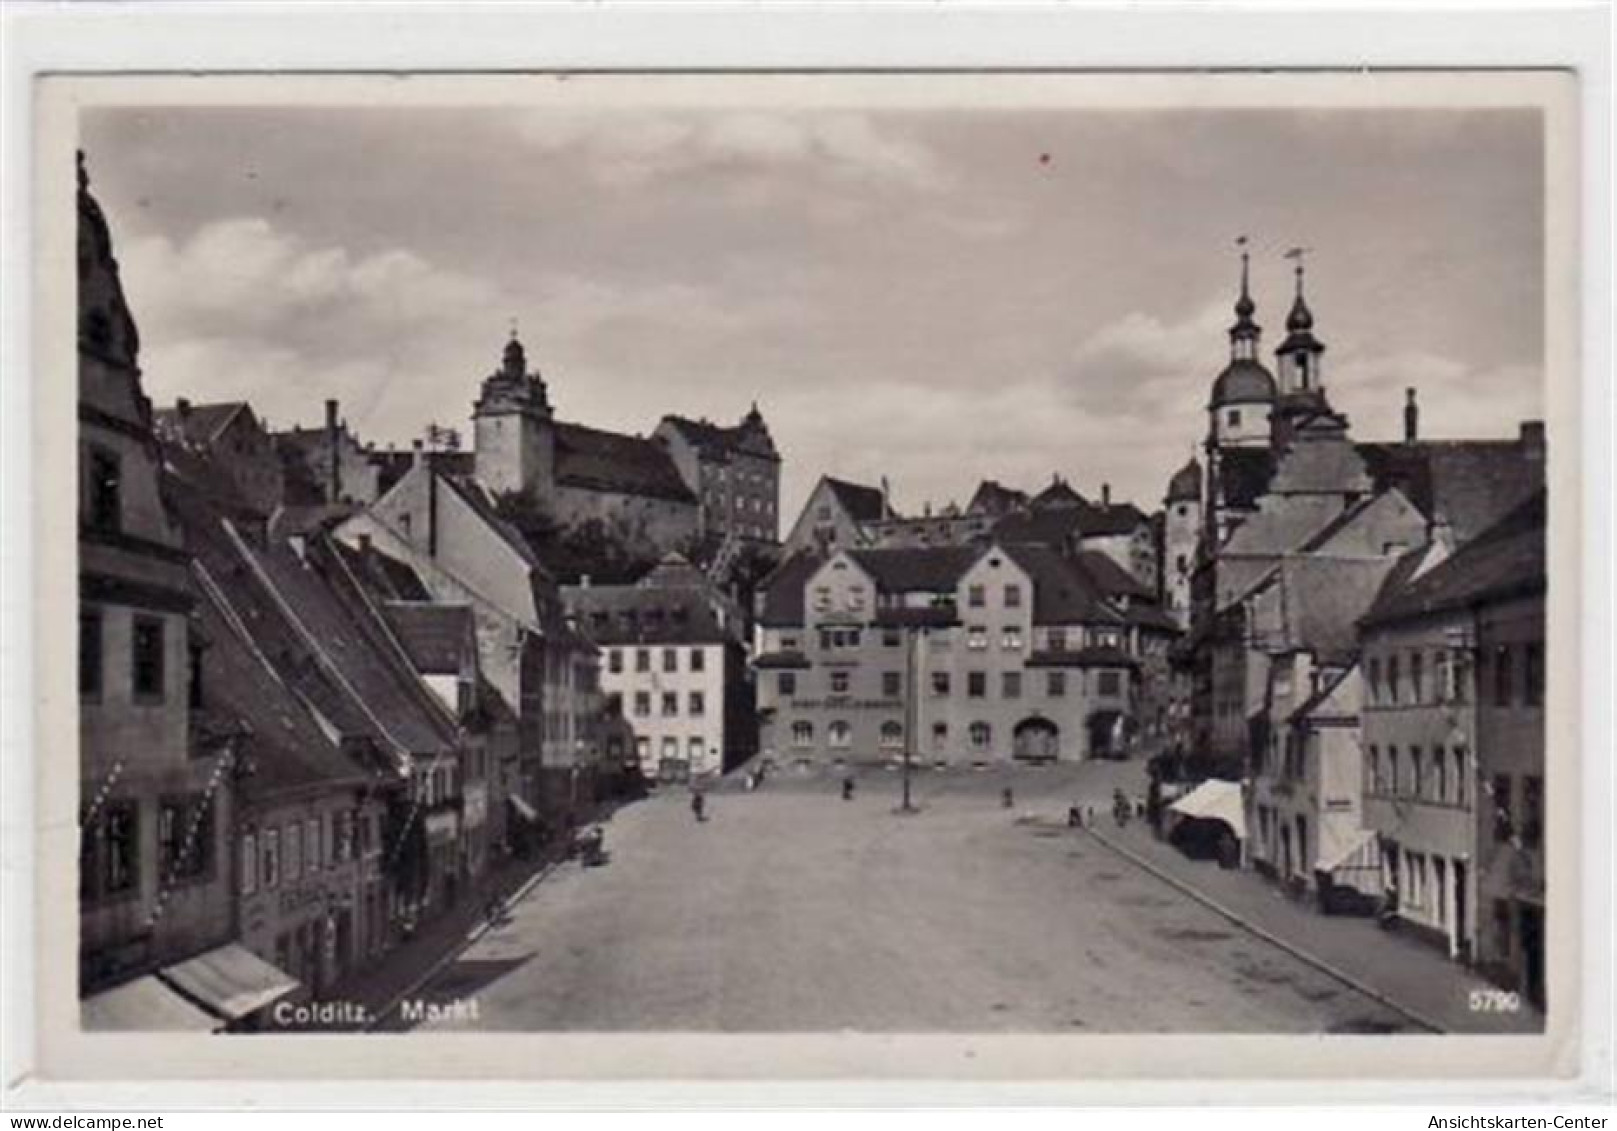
x=832, y=556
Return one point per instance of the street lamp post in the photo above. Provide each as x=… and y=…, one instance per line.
x=912, y=711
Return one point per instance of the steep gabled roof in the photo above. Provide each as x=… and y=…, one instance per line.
x=863, y=504
x=1112, y=579
x=197, y=425
x=1054, y=526
x=918, y=569
x=782, y=590
x=1323, y=599
x=1506, y=560
x=385, y=576
x=593, y=459
x=437, y=637
x=632, y=614
x=993, y=497
x=1058, y=494
x=715, y=441
x=1471, y=484
x=1063, y=591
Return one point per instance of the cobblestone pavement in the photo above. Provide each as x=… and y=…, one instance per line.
x=791, y=909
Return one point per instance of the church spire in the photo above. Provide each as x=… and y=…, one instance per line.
x=1300, y=353
x=1245, y=333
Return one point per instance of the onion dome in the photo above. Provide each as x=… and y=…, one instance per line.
x=1186, y=484
x=1243, y=382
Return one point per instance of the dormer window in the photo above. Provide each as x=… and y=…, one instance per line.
x=1232, y=418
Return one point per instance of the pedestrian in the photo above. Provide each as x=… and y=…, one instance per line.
x=1075, y=819
x=1006, y=799
x=847, y=788
x=699, y=806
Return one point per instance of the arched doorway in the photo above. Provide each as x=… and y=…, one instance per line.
x=1036, y=740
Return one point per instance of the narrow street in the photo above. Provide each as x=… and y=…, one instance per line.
x=790, y=909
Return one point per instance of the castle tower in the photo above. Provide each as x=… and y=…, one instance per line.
x=1298, y=358
x=1182, y=521
x=1244, y=393
x=514, y=434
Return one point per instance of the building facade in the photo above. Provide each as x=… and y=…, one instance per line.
x=733, y=471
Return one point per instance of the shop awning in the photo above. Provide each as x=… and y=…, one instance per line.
x=1215, y=800
x=523, y=807
x=145, y=1004
x=232, y=981
x=1357, y=852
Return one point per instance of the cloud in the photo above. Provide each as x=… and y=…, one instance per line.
x=628, y=151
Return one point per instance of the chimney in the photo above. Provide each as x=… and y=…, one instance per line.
x=1532, y=440
x=183, y=405
x=1411, y=417
x=1106, y=495
x=886, y=500
x=417, y=456
x=334, y=466
x=364, y=543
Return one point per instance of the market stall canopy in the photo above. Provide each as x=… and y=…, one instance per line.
x=144, y=1005
x=1214, y=800
x=232, y=981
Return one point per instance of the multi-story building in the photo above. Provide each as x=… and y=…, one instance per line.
x=734, y=472
x=328, y=464
x=836, y=516
x=1453, y=738
x=674, y=665
x=953, y=655
x=156, y=797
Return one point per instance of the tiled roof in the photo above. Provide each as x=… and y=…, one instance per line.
x=385, y=576
x=206, y=480
x=1054, y=526
x=1470, y=483
x=993, y=497
x=1058, y=494
x=1093, y=656
x=918, y=569
x=930, y=617
x=715, y=440
x=1323, y=599
x=1506, y=560
x=200, y=424
x=592, y=459
x=782, y=590
x=630, y=614
x=437, y=637
x=1325, y=465
x=471, y=492
x=863, y=504
x=1063, y=591
x=1112, y=579
x=1152, y=616
x=1119, y=518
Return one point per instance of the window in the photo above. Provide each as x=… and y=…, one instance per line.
x=1534, y=657
x=294, y=850
x=1504, y=823
x=976, y=596
x=1372, y=770
x=697, y=705
x=110, y=849
x=976, y=685
x=272, y=859
x=1055, y=684
x=1013, y=596
x=1440, y=776
x=1011, y=685
x=788, y=683
x=839, y=683
x=1503, y=676
x=822, y=598
x=802, y=733
x=642, y=749
x=249, y=864
x=185, y=838
x=1417, y=678
x=670, y=659
x=696, y=749
x=193, y=690
x=90, y=663
x=345, y=820
x=982, y=735
x=1392, y=680
x=1532, y=811
x=670, y=748
x=642, y=704
x=1461, y=792
x=940, y=735
x=1010, y=638
x=891, y=684
x=856, y=597
x=106, y=490
x=642, y=659
x=940, y=684
x=147, y=658
x=313, y=845
x=892, y=735
x=670, y=704
x=1108, y=683
x=1417, y=787
x=698, y=660
x=1393, y=782
x=976, y=638
x=614, y=661
x=1232, y=418
x=1058, y=639
x=1374, y=680
x=840, y=734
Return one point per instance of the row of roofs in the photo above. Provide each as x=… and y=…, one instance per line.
x=1086, y=588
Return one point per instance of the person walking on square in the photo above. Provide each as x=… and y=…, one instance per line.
x=698, y=806
x=847, y=788
x=1006, y=798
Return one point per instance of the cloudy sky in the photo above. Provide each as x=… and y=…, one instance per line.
x=939, y=296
